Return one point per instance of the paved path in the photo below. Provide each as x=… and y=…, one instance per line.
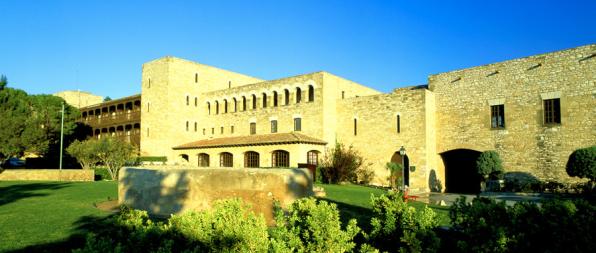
x=509, y=198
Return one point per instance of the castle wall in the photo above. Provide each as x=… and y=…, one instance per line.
x=526, y=144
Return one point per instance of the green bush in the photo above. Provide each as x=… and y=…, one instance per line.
x=395, y=172
x=102, y=174
x=341, y=164
x=397, y=226
x=319, y=175
x=582, y=163
x=489, y=165
x=311, y=226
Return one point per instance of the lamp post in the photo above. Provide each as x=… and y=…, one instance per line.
x=61, y=135
x=402, y=152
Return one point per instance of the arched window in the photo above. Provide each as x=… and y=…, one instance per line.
x=209, y=108
x=274, y=98
x=243, y=103
x=254, y=102
x=226, y=159
x=187, y=100
x=225, y=106
x=264, y=100
x=286, y=97
x=311, y=93
x=203, y=160
x=216, y=107
x=251, y=159
x=298, y=95
x=235, y=105
x=184, y=157
x=280, y=158
x=312, y=157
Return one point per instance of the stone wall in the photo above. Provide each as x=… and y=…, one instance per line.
x=169, y=191
x=47, y=175
x=526, y=144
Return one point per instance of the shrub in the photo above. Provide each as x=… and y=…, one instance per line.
x=311, y=226
x=365, y=175
x=319, y=175
x=395, y=172
x=230, y=227
x=582, y=163
x=489, y=164
x=84, y=152
x=113, y=153
x=341, y=164
x=397, y=226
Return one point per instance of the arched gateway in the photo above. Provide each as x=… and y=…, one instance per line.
x=460, y=171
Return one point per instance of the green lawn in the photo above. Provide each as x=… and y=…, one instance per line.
x=353, y=201
x=47, y=214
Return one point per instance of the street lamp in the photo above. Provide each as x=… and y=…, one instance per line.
x=402, y=152
x=61, y=135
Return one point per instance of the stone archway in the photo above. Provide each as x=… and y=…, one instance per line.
x=397, y=158
x=460, y=171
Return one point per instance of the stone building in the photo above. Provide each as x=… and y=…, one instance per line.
x=534, y=111
x=79, y=98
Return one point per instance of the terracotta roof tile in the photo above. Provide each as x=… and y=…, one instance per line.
x=250, y=140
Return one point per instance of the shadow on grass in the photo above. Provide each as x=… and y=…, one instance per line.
x=14, y=193
x=348, y=212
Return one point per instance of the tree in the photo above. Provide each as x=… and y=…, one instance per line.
x=3, y=82
x=113, y=153
x=14, y=113
x=395, y=170
x=582, y=163
x=85, y=152
x=107, y=98
x=489, y=164
x=341, y=164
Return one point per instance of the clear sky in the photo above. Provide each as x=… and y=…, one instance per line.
x=99, y=46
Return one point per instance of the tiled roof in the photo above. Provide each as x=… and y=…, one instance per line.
x=251, y=140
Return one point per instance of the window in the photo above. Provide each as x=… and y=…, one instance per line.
x=312, y=157
x=216, y=107
x=225, y=106
x=552, y=111
x=264, y=100
x=149, y=84
x=148, y=104
x=184, y=157
x=196, y=77
x=274, y=98
x=196, y=101
x=222, y=130
x=398, y=124
x=311, y=93
x=147, y=132
x=235, y=105
x=254, y=102
x=355, y=127
x=187, y=126
x=204, y=131
x=213, y=130
x=208, y=108
x=195, y=126
x=253, y=128
x=298, y=95
x=286, y=97
x=274, y=126
x=497, y=116
x=297, y=124
x=231, y=129
x=280, y=158
x=203, y=160
x=243, y=103
x=343, y=94
x=226, y=159
x=187, y=100
x=251, y=159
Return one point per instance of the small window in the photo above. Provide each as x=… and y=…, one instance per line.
x=298, y=95
x=203, y=160
x=312, y=157
x=552, y=111
x=208, y=108
x=213, y=130
x=186, y=125
x=222, y=130
x=216, y=107
x=226, y=159
x=148, y=104
x=253, y=128
x=343, y=94
x=225, y=106
x=254, y=102
x=196, y=77
x=196, y=101
x=355, y=127
x=286, y=97
x=243, y=103
x=275, y=99
x=251, y=159
x=398, y=124
x=274, y=126
x=204, y=131
x=235, y=105
x=195, y=126
x=149, y=83
x=311, y=93
x=280, y=158
x=497, y=116
x=297, y=124
x=231, y=129
x=264, y=100
x=147, y=132
x=187, y=100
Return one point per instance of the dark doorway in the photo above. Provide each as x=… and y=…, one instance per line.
x=396, y=158
x=460, y=171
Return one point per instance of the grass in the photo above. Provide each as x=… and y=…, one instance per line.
x=353, y=201
x=45, y=213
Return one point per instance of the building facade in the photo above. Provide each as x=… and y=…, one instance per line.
x=533, y=111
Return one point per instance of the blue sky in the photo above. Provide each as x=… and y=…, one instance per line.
x=99, y=46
